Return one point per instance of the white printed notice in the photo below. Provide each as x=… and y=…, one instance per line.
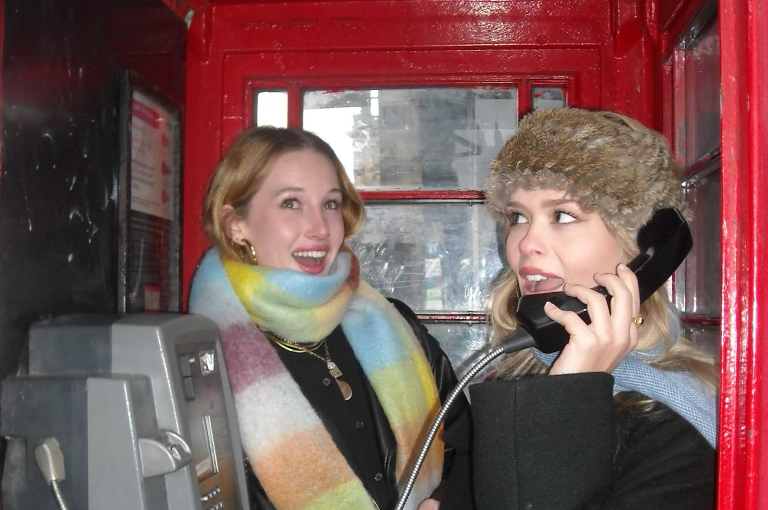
x=152, y=179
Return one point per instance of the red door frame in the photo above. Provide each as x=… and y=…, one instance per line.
x=744, y=80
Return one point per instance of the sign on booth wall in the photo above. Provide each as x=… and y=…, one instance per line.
x=149, y=194
x=152, y=179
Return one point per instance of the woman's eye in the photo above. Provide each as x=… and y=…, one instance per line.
x=290, y=203
x=516, y=218
x=332, y=204
x=564, y=217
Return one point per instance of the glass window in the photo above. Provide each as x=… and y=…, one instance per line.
x=464, y=344
x=434, y=256
x=702, y=98
x=695, y=112
x=705, y=335
x=430, y=138
x=272, y=108
x=700, y=295
x=547, y=98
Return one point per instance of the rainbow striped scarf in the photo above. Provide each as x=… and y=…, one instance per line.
x=291, y=452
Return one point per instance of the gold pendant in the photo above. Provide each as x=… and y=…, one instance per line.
x=346, y=389
x=333, y=369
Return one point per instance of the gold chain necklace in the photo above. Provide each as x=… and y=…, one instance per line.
x=333, y=368
x=293, y=346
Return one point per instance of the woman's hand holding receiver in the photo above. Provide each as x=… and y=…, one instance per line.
x=601, y=345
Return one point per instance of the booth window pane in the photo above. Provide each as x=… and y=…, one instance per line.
x=696, y=136
x=705, y=335
x=271, y=108
x=428, y=138
x=464, y=344
x=433, y=256
x=700, y=292
x=702, y=95
x=547, y=98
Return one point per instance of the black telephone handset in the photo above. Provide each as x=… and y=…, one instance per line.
x=664, y=243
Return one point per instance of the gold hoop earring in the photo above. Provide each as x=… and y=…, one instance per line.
x=249, y=251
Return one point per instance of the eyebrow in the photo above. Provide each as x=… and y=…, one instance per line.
x=299, y=189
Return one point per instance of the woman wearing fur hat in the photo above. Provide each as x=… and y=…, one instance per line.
x=334, y=385
x=624, y=416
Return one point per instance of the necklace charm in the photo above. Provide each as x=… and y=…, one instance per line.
x=333, y=368
x=346, y=389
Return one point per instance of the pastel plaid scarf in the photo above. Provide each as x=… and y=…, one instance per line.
x=291, y=452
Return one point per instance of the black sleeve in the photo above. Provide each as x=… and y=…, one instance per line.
x=662, y=463
x=556, y=442
x=458, y=422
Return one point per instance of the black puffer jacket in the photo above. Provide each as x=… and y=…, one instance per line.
x=457, y=421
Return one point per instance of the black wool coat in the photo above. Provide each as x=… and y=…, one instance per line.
x=561, y=443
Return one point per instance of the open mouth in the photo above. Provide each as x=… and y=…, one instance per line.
x=312, y=261
x=535, y=283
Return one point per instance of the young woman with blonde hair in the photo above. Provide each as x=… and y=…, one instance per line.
x=334, y=385
x=625, y=416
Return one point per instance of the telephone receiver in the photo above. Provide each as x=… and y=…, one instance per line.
x=664, y=243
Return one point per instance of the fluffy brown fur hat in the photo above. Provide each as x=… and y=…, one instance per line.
x=606, y=162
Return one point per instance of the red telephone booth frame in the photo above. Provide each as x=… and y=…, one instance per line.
x=227, y=43
x=744, y=76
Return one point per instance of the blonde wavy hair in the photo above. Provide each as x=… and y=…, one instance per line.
x=246, y=164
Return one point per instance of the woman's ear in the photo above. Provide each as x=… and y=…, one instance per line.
x=230, y=224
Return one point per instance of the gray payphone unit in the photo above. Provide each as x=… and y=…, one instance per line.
x=122, y=413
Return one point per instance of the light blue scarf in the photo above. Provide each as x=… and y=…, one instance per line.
x=679, y=391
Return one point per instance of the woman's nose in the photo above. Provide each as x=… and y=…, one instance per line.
x=533, y=241
x=317, y=226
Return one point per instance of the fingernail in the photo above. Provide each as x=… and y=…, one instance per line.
x=549, y=306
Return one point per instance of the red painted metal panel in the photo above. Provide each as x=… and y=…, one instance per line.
x=499, y=67
x=471, y=318
x=400, y=24
x=758, y=84
x=423, y=195
x=179, y=7
x=202, y=137
x=744, y=308
x=706, y=321
x=629, y=81
x=635, y=88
